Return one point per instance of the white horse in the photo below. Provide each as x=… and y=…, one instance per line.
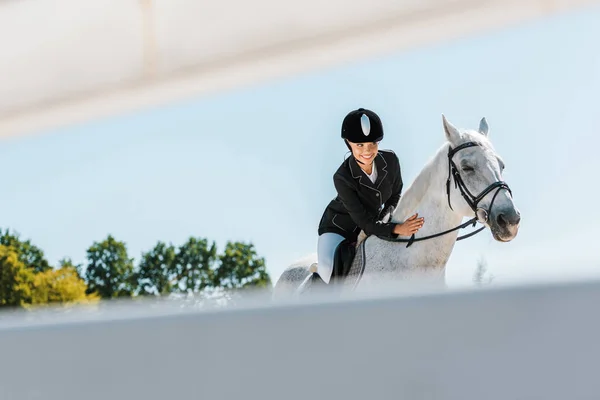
x=463, y=179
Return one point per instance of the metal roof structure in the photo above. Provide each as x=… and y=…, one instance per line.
x=64, y=63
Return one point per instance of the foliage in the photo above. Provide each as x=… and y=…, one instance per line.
x=61, y=285
x=194, y=265
x=32, y=256
x=16, y=278
x=193, y=270
x=66, y=262
x=240, y=267
x=157, y=272
x=109, y=272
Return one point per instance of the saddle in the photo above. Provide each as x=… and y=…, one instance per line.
x=342, y=263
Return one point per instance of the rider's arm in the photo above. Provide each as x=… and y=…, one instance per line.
x=365, y=220
x=396, y=188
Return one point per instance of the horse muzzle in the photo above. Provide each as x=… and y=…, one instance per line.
x=504, y=224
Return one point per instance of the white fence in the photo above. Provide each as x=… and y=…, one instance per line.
x=529, y=342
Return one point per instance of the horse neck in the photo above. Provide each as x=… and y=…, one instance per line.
x=427, y=197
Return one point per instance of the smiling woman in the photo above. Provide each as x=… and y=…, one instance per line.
x=368, y=185
x=364, y=154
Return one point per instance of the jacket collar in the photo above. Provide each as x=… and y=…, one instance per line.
x=358, y=173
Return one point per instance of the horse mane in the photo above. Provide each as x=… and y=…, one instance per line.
x=414, y=194
x=419, y=187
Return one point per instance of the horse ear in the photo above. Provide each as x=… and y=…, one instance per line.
x=483, y=127
x=452, y=134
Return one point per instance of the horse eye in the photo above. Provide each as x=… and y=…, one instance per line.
x=467, y=168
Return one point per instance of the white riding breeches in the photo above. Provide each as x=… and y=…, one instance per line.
x=326, y=246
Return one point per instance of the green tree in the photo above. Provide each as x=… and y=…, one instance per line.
x=66, y=262
x=194, y=265
x=157, y=272
x=16, y=279
x=32, y=256
x=61, y=285
x=109, y=271
x=240, y=267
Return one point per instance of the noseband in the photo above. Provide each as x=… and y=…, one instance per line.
x=472, y=201
x=481, y=214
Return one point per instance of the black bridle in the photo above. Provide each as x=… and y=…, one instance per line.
x=481, y=214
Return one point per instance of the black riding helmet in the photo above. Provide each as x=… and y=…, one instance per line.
x=362, y=126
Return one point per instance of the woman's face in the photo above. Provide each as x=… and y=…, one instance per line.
x=364, y=152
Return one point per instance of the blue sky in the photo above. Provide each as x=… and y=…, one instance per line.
x=255, y=164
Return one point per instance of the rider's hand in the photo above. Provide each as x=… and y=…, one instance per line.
x=410, y=226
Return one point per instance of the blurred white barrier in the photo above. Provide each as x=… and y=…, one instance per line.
x=63, y=61
x=536, y=342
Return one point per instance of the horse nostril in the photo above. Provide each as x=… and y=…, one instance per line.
x=517, y=219
x=510, y=220
x=501, y=220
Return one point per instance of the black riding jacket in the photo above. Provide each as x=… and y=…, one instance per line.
x=360, y=204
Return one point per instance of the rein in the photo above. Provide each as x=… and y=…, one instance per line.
x=471, y=200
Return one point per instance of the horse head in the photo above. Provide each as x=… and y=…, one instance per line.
x=475, y=185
